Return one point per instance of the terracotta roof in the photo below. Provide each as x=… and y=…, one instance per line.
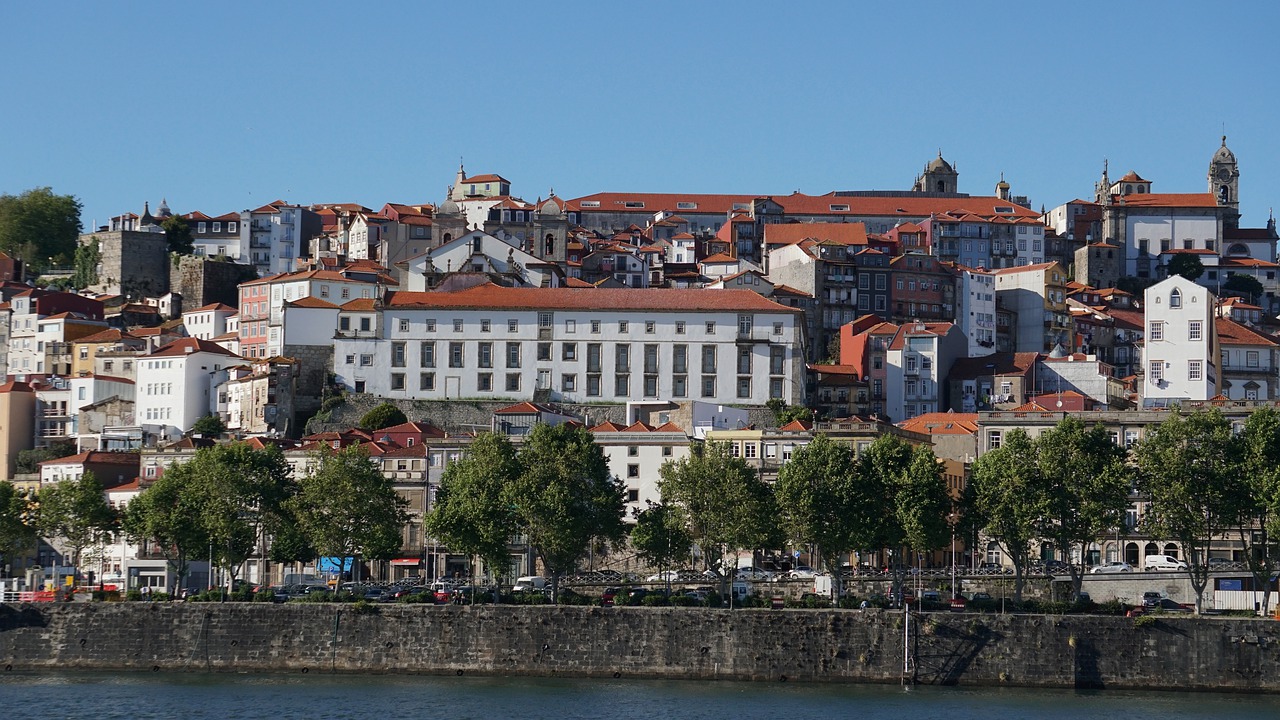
x=1132, y=177
x=110, y=335
x=214, y=307
x=1024, y=268
x=650, y=203
x=360, y=305
x=311, y=302
x=526, y=408
x=493, y=296
x=97, y=456
x=15, y=386
x=187, y=346
x=720, y=258
x=942, y=423
x=608, y=426
x=487, y=178
x=1170, y=200
x=916, y=329
x=839, y=233
x=853, y=370
x=1246, y=262
x=1002, y=363
x=412, y=427
x=797, y=426
x=1232, y=333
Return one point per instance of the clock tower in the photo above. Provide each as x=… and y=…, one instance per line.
x=1224, y=183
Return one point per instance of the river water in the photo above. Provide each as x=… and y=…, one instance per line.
x=104, y=696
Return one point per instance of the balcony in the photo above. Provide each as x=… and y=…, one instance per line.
x=754, y=336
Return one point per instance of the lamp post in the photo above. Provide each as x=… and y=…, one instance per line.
x=952, y=518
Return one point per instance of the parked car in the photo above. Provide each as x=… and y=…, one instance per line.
x=1056, y=567
x=1151, y=598
x=990, y=568
x=803, y=572
x=1167, y=605
x=530, y=583
x=754, y=573
x=1216, y=563
x=1163, y=562
x=664, y=576
x=1116, y=566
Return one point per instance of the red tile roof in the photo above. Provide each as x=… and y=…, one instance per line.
x=942, y=423
x=214, y=307
x=311, y=302
x=719, y=258
x=1169, y=200
x=838, y=233
x=187, y=346
x=1232, y=333
x=487, y=178
x=97, y=456
x=493, y=296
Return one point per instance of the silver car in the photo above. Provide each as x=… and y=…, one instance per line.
x=1111, y=567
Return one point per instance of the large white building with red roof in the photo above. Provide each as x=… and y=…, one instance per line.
x=176, y=385
x=573, y=345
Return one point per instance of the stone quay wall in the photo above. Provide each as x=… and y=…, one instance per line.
x=688, y=643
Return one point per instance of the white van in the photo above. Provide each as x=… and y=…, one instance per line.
x=530, y=583
x=1163, y=562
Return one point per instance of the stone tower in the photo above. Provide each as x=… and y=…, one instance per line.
x=938, y=177
x=1224, y=183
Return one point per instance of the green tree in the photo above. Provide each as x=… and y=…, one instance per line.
x=382, y=416
x=74, y=514
x=210, y=426
x=922, y=504
x=1186, y=265
x=178, y=233
x=1259, y=499
x=168, y=515
x=660, y=536
x=727, y=506
x=1005, y=499
x=1245, y=286
x=880, y=469
x=1188, y=472
x=86, y=260
x=471, y=515
x=38, y=226
x=347, y=507
x=564, y=499
x=1086, y=487
x=818, y=502
x=784, y=413
x=29, y=460
x=16, y=533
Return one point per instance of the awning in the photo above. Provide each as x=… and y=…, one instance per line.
x=406, y=561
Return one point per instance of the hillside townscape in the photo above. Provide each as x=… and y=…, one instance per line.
x=645, y=385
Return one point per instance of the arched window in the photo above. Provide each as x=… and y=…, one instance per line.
x=1175, y=298
x=1151, y=549
x=1238, y=249
x=1224, y=194
x=1131, y=553
x=447, y=237
x=1128, y=189
x=550, y=245
x=993, y=553
x=942, y=186
x=1171, y=550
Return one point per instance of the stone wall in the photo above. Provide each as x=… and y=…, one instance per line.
x=801, y=645
x=135, y=264
x=202, y=282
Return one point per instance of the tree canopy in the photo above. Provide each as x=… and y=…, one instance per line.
x=565, y=499
x=168, y=514
x=1005, y=499
x=75, y=514
x=39, y=227
x=471, y=514
x=1188, y=470
x=383, y=416
x=178, y=233
x=818, y=500
x=1186, y=265
x=16, y=531
x=347, y=507
x=1245, y=286
x=726, y=504
x=208, y=426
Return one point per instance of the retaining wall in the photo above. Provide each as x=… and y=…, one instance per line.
x=800, y=645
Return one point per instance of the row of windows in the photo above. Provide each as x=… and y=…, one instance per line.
x=594, y=384
x=203, y=227
x=1155, y=330
x=622, y=356
x=1156, y=368
x=745, y=325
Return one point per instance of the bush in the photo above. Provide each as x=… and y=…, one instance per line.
x=656, y=600
x=267, y=595
x=685, y=601
x=106, y=595
x=133, y=595
x=1112, y=607
x=571, y=597
x=382, y=416
x=529, y=598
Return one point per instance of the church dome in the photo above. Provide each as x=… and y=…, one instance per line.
x=448, y=207
x=1224, y=153
x=939, y=165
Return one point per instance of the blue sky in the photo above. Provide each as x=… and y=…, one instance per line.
x=225, y=106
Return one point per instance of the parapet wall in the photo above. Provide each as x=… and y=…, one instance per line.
x=799, y=645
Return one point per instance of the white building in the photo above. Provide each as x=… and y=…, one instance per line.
x=478, y=252
x=917, y=362
x=276, y=235
x=208, y=322
x=1180, y=354
x=976, y=309
x=572, y=345
x=636, y=453
x=1249, y=362
x=177, y=385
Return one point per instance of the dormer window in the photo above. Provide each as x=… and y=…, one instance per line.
x=1175, y=298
